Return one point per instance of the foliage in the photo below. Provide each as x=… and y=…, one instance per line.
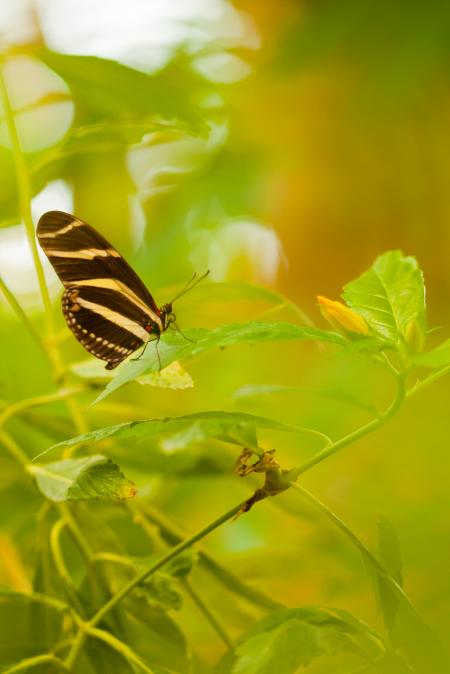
x=78, y=479
x=293, y=638
x=96, y=574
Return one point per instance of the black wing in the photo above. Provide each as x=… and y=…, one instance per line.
x=105, y=304
x=100, y=336
x=78, y=252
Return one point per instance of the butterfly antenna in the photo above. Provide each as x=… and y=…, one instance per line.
x=193, y=281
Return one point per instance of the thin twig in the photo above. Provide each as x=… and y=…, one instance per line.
x=173, y=535
x=357, y=434
x=20, y=313
x=139, y=578
x=25, y=195
x=209, y=613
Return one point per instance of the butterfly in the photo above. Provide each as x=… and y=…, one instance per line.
x=105, y=304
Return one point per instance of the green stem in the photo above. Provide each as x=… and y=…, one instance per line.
x=209, y=614
x=427, y=381
x=366, y=667
x=418, y=629
x=155, y=537
x=55, y=547
x=119, y=646
x=45, y=599
x=20, y=313
x=13, y=448
x=21, y=405
x=25, y=196
x=58, y=559
x=34, y=662
x=173, y=535
x=76, y=532
x=365, y=552
x=121, y=594
x=357, y=434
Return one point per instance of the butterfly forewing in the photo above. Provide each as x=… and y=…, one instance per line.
x=105, y=303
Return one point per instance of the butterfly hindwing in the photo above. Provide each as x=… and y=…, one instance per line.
x=102, y=338
x=105, y=304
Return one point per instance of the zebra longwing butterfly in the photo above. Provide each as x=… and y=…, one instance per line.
x=105, y=304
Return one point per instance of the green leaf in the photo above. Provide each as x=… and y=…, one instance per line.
x=438, y=357
x=107, y=659
x=108, y=88
x=160, y=590
x=234, y=427
x=94, y=477
x=174, y=376
x=181, y=565
x=109, y=136
x=423, y=648
x=156, y=635
x=174, y=347
x=389, y=296
x=391, y=559
x=247, y=292
x=250, y=390
x=391, y=663
x=231, y=292
x=292, y=638
x=389, y=550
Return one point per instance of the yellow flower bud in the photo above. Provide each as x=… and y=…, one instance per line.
x=342, y=317
x=414, y=337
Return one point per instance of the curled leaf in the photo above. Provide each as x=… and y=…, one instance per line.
x=93, y=477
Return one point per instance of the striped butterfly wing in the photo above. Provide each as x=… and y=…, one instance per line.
x=105, y=304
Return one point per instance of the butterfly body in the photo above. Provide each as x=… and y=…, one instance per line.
x=105, y=304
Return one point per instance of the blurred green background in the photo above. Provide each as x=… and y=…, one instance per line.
x=303, y=139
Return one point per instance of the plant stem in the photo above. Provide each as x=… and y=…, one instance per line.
x=60, y=564
x=427, y=381
x=46, y=600
x=118, y=646
x=16, y=407
x=34, y=662
x=16, y=307
x=209, y=614
x=121, y=594
x=173, y=535
x=25, y=195
x=393, y=585
x=76, y=532
x=416, y=625
x=357, y=434
x=13, y=448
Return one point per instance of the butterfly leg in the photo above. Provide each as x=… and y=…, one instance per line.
x=142, y=352
x=177, y=329
x=157, y=351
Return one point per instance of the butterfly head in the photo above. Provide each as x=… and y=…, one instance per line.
x=166, y=315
